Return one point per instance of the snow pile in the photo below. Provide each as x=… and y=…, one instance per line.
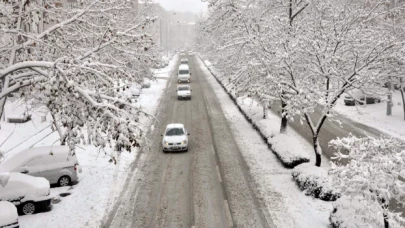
x=285, y=146
x=356, y=212
x=314, y=181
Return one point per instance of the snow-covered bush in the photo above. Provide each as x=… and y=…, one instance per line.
x=357, y=212
x=288, y=150
x=314, y=181
x=373, y=175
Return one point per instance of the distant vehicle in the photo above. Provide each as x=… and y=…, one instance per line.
x=8, y=215
x=184, y=61
x=175, y=138
x=135, y=90
x=29, y=194
x=146, y=83
x=183, y=92
x=182, y=52
x=183, y=74
x=55, y=163
x=357, y=96
x=191, y=52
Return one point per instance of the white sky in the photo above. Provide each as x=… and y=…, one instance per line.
x=195, y=6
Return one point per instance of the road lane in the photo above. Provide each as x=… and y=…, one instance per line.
x=176, y=189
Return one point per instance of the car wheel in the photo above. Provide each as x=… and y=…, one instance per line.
x=186, y=150
x=64, y=181
x=28, y=208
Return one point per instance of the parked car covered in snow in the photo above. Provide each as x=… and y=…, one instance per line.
x=29, y=194
x=8, y=215
x=55, y=163
x=357, y=96
x=146, y=83
x=135, y=90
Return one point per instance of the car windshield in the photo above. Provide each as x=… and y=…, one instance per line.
x=174, y=131
x=184, y=61
x=183, y=71
x=184, y=88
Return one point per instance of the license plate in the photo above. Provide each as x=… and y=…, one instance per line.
x=175, y=148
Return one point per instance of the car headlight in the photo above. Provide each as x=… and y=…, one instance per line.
x=184, y=142
x=166, y=143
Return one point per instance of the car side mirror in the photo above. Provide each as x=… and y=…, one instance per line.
x=190, y=73
x=188, y=133
x=161, y=135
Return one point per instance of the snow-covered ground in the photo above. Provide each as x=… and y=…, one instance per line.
x=374, y=115
x=287, y=205
x=99, y=183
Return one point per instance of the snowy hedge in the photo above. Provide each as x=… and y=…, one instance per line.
x=283, y=145
x=357, y=212
x=314, y=181
x=287, y=150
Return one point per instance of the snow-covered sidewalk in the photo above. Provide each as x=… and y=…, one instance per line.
x=374, y=115
x=287, y=205
x=99, y=183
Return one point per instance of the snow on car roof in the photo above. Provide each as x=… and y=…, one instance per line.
x=184, y=60
x=179, y=86
x=175, y=125
x=8, y=213
x=21, y=158
x=39, y=185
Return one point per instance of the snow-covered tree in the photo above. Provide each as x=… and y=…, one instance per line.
x=71, y=56
x=372, y=178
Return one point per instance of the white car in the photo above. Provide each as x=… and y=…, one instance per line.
x=8, y=215
x=175, y=138
x=183, y=92
x=29, y=194
x=135, y=90
x=183, y=74
x=184, y=61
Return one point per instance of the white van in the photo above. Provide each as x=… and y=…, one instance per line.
x=55, y=163
x=184, y=73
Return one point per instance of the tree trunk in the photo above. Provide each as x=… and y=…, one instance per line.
x=5, y=82
x=284, y=120
x=386, y=223
x=57, y=126
x=318, y=151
